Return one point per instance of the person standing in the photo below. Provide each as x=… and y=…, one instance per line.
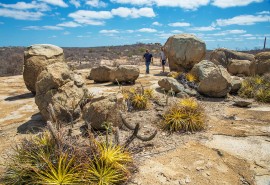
x=162, y=59
x=148, y=59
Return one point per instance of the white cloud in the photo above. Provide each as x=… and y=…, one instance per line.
x=133, y=12
x=90, y=17
x=108, y=31
x=185, y=4
x=147, y=30
x=130, y=31
x=96, y=3
x=264, y=12
x=66, y=33
x=27, y=6
x=54, y=36
x=42, y=28
x=157, y=24
x=247, y=35
x=69, y=24
x=60, y=3
x=1, y=23
x=176, y=31
x=164, y=35
x=76, y=3
x=179, y=24
x=251, y=38
x=233, y=3
x=205, y=28
x=20, y=15
x=228, y=32
x=243, y=20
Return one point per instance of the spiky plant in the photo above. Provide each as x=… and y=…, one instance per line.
x=60, y=172
x=149, y=93
x=263, y=95
x=139, y=101
x=191, y=78
x=115, y=155
x=99, y=172
x=184, y=116
x=189, y=102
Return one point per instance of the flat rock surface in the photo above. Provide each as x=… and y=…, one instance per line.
x=234, y=148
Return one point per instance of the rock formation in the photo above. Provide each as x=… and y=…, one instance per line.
x=36, y=58
x=184, y=51
x=214, y=80
x=261, y=64
x=222, y=56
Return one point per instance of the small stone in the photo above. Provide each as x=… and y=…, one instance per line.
x=187, y=180
x=242, y=103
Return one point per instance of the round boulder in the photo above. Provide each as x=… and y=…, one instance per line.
x=222, y=56
x=101, y=74
x=236, y=84
x=36, y=58
x=184, y=51
x=214, y=81
x=103, y=110
x=261, y=64
x=237, y=67
x=170, y=83
x=124, y=73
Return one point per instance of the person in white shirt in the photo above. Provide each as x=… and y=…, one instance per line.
x=162, y=59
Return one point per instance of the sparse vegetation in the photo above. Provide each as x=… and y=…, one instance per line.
x=256, y=87
x=187, y=115
x=56, y=158
x=191, y=78
x=138, y=98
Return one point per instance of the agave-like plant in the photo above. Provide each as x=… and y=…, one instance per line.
x=187, y=115
x=139, y=101
x=99, y=172
x=115, y=155
x=191, y=78
x=149, y=93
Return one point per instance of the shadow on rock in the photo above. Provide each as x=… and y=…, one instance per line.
x=19, y=97
x=35, y=125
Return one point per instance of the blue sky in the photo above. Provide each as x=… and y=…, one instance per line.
x=234, y=24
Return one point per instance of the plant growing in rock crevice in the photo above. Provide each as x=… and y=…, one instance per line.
x=187, y=115
x=256, y=87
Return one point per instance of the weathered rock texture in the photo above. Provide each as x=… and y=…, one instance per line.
x=63, y=89
x=214, y=80
x=261, y=64
x=184, y=51
x=239, y=67
x=222, y=56
x=105, y=110
x=170, y=83
x=236, y=84
x=101, y=74
x=36, y=58
x=124, y=73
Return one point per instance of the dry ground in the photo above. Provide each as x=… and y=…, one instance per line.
x=234, y=149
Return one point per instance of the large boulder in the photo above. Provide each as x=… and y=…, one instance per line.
x=184, y=51
x=170, y=83
x=61, y=92
x=106, y=109
x=261, y=64
x=214, y=80
x=239, y=67
x=222, y=56
x=124, y=73
x=36, y=58
x=101, y=74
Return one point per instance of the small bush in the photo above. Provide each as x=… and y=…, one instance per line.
x=256, y=87
x=187, y=115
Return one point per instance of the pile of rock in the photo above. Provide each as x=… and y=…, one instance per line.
x=121, y=74
x=59, y=91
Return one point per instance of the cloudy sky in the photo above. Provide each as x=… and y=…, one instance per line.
x=235, y=24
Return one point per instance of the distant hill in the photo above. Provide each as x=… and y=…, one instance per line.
x=11, y=58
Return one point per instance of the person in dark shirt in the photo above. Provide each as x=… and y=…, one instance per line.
x=148, y=59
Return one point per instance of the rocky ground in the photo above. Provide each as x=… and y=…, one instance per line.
x=234, y=148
